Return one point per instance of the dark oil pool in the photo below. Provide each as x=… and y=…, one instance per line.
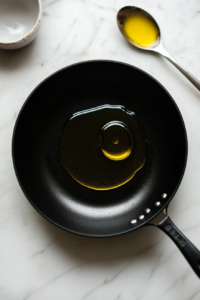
x=103, y=147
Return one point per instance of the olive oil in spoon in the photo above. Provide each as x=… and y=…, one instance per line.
x=141, y=30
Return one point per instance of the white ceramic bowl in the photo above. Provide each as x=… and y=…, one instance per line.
x=19, y=22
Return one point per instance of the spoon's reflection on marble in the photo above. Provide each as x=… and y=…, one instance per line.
x=156, y=46
x=19, y=22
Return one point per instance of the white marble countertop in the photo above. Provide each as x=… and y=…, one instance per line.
x=40, y=261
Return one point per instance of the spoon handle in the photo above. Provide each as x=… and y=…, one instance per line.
x=161, y=50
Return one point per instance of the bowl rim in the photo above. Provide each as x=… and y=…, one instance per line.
x=31, y=31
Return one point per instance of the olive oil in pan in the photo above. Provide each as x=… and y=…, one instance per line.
x=102, y=148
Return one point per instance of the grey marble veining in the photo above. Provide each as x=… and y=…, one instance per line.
x=40, y=261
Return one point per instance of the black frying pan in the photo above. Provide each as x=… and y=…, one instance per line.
x=75, y=208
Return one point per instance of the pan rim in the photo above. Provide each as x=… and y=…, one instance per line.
x=145, y=223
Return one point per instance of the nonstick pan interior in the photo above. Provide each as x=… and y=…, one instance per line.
x=49, y=187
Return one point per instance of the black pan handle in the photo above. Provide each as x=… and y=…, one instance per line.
x=191, y=253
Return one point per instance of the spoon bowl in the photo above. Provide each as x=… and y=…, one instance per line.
x=127, y=11
x=19, y=22
x=156, y=44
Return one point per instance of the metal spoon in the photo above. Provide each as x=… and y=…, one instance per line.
x=157, y=46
